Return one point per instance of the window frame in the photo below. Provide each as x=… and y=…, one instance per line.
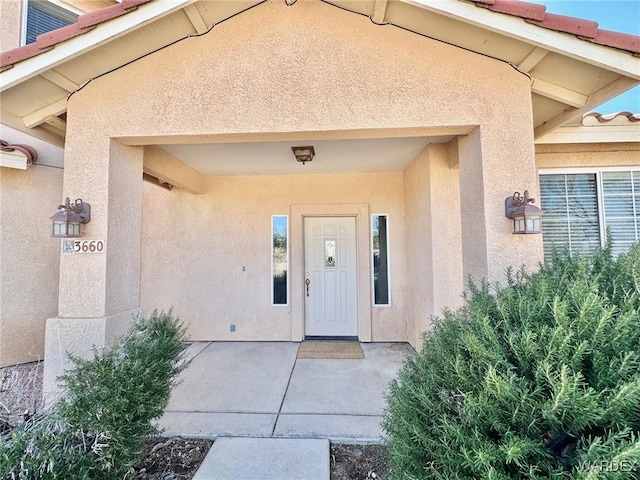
x=288, y=262
x=25, y=13
x=597, y=171
x=373, y=285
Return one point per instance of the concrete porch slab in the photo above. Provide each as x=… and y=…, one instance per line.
x=345, y=387
x=338, y=428
x=260, y=389
x=216, y=424
x=266, y=459
x=235, y=377
x=194, y=349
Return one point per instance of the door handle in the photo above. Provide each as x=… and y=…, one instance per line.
x=307, y=282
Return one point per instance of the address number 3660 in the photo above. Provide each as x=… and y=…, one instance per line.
x=83, y=246
x=88, y=246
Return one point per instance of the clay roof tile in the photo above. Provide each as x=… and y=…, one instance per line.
x=101, y=15
x=10, y=57
x=584, y=29
x=85, y=23
x=561, y=23
x=48, y=39
x=619, y=118
x=532, y=11
x=623, y=41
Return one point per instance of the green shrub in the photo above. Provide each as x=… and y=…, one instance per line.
x=540, y=379
x=97, y=429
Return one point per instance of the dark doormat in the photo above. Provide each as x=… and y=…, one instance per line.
x=330, y=349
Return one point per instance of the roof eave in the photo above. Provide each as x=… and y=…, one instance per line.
x=592, y=134
x=76, y=46
x=622, y=62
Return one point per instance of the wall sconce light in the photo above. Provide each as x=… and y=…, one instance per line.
x=66, y=223
x=526, y=217
x=304, y=154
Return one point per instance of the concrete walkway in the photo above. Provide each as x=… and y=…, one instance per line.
x=260, y=394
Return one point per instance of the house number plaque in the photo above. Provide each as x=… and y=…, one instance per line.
x=84, y=246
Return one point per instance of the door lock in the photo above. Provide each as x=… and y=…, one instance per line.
x=307, y=282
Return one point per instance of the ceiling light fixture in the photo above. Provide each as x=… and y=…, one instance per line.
x=304, y=154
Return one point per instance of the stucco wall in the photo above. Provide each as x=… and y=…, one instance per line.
x=588, y=155
x=209, y=256
x=29, y=259
x=11, y=20
x=266, y=75
x=433, y=237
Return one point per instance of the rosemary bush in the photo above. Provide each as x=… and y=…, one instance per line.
x=96, y=431
x=538, y=379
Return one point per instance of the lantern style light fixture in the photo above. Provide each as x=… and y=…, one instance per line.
x=526, y=217
x=66, y=222
x=304, y=154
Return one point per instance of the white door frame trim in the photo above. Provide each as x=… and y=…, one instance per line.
x=361, y=213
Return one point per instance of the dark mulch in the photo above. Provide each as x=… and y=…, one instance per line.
x=358, y=462
x=175, y=458
x=178, y=458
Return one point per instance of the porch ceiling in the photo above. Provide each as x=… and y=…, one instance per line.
x=276, y=158
x=573, y=65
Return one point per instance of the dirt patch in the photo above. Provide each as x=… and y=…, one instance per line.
x=358, y=462
x=175, y=458
x=178, y=458
x=20, y=393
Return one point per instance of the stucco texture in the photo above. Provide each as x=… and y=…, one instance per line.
x=592, y=155
x=433, y=237
x=302, y=72
x=29, y=259
x=11, y=13
x=209, y=256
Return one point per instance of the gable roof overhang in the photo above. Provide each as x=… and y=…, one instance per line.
x=574, y=66
x=621, y=127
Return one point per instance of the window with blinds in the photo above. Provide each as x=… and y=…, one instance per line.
x=621, y=199
x=43, y=16
x=580, y=207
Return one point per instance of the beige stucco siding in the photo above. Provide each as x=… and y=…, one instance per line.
x=29, y=259
x=433, y=237
x=265, y=72
x=588, y=155
x=209, y=256
x=11, y=14
x=266, y=75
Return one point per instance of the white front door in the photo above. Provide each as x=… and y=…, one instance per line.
x=330, y=277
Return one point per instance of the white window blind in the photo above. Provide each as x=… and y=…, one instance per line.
x=621, y=198
x=43, y=17
x=580, y=207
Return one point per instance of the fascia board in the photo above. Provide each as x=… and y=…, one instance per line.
x=516, y=27
x=13, y=160
x=592, y=134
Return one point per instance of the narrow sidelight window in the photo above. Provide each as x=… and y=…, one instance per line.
x=380, y=249
x=279, y=258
